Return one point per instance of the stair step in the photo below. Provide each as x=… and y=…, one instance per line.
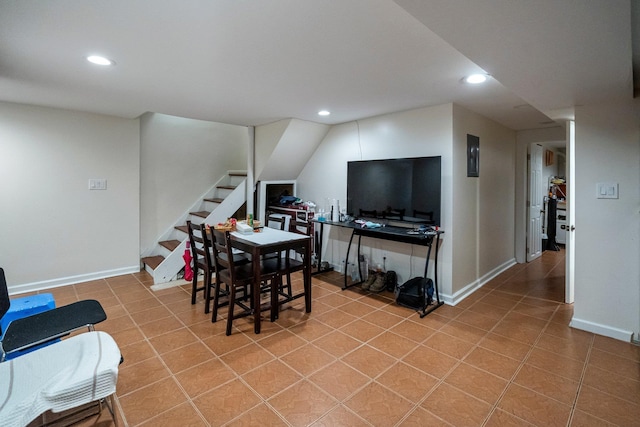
x=170, y=244
x=153, y=261
x=238, y=174
x=202, y=214
x=226, y=187
x=182, y=228
x=214, y=200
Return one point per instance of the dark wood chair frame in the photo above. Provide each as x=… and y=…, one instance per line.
x=423, y=214
x=369, y=214
x=240, y=277
x=199, y=263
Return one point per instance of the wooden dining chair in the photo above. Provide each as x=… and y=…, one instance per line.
x=276, y=221
x=200, y=263
x=219, y=294
x=295, y=261
x=239, y=278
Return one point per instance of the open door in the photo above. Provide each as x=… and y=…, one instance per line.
x=534, y=203
x=570, y=254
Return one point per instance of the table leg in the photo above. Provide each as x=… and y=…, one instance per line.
x=346, y=260
x=256, y=289
x=438, y=303
x=307, y=277
x=319, y=254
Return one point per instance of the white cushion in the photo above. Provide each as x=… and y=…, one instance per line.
x=65, y=375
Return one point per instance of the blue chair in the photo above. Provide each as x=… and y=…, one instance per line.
x=23, y=307
x=24, y=334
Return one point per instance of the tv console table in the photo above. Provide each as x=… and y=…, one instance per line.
x=395, y=234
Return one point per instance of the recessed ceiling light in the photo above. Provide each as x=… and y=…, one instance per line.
x=323, y=113
x=100, y=60
x=475, y=79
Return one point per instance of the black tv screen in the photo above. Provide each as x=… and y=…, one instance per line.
x=395, y=189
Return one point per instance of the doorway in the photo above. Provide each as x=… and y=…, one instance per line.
x=546, y=207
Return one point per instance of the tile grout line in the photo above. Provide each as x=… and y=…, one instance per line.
x=159, y=356
x=396, y=360
x=461, y=360
x=524, y=361
x=581, y=382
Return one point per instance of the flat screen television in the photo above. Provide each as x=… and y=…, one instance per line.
x=395, y=189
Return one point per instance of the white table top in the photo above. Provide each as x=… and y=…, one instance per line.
x=269, y=236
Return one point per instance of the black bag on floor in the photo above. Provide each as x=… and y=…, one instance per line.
x=416, y=293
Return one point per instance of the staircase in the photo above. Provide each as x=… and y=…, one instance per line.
x=222, y=201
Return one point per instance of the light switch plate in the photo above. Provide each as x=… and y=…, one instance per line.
x=607, y=190
x=97, y=184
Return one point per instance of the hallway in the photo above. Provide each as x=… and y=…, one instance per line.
x=543, y=278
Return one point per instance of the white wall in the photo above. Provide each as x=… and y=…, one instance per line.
x=483, y=236
x=477, y=213
x=54, y=230
x=281, y=153
x=267, y=138
x=607, y=236
x=415, y=133
x=180, y=160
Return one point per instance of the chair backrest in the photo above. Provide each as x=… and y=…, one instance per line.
x=371, y=214
x=422, y=214
x=277, y=222
x=394, y=213
x=197, y=247
x=207, y=247
x=222, y=253
x=5, y=302
x=301, y=227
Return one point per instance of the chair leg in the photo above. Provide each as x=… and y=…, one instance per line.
x=110, y=403
x=194, y=288
x=276, y=282
x=216, y=302
x=288, y=285
x=232, y=303
x=207, y=292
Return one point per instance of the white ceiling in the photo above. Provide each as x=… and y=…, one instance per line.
x=254, y=62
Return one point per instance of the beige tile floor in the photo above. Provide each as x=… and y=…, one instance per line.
x=504, y=356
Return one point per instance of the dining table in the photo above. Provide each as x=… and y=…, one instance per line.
x=268, y=241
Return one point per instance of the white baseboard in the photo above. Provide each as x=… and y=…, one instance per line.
x=478, y=283
x=605, y=330
x=64, y=281
x=175, y=282
x=171, y=284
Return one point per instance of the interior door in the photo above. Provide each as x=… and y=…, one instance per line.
x=570, y=254
x=534, y=202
